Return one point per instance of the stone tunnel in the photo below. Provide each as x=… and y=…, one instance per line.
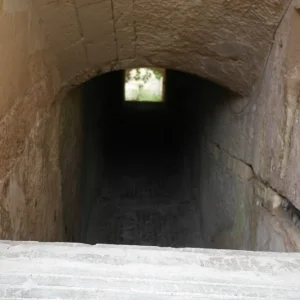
x=215, y=165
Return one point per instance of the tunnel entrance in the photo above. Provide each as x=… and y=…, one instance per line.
x=142, y=164
x=144, y=85
x=140, y=201
x=171, y=173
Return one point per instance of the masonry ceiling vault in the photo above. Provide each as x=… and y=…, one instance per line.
x=226, y=41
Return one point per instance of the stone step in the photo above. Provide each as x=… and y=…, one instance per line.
x=147, y=225
x=62, y=271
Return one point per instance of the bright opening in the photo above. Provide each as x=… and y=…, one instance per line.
x=144, y=84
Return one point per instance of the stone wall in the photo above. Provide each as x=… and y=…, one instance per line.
x=250, y=153
x=30, y=205
x=260, y=132
x=227, y=151
x=70, y=162
x=102, y=96
x=39, y=134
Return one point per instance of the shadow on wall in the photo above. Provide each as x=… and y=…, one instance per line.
x=155, y=173
x=152, y=176
x=71, y=152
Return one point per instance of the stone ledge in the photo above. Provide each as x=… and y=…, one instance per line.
x=31, y=270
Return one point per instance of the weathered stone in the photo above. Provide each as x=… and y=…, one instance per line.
x=241, y=164
x=227, y=42
x=57, y=271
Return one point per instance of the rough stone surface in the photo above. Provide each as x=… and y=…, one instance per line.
x=29, y=176
x=70, y=162
x=246, y=153
x=225, y=41
x=30, y=129
x=70, y=271
x=260, y=131
x=238, y=207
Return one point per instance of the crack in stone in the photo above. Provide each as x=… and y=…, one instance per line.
x=91, y=3
x=80, y=30
x=134, y=27
x=280, y=201
x=115, y=30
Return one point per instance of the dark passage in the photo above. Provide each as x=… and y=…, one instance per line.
x=141, y=172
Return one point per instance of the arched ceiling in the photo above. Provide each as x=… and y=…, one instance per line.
x=226, y=41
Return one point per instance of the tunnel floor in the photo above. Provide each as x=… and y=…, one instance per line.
x=141, y=200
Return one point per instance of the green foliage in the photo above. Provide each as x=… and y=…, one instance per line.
x=157, y=74
x=141, y=77
x=149, y=97
x=145, y=77
x=127, y=76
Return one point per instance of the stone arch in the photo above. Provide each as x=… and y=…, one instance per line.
x=224, y=41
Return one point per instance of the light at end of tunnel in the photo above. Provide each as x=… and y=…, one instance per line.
x=144, y=84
